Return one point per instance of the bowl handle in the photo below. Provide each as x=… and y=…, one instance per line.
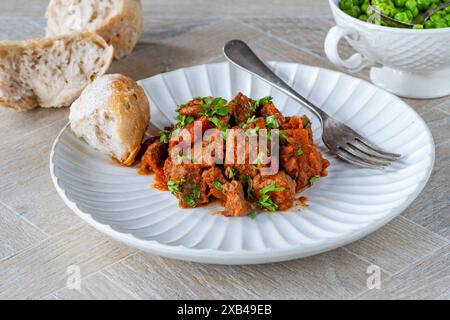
x=353, y=64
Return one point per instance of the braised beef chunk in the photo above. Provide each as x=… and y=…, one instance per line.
x=240, y=187
x=235, y=203
x=300, y=158
x=242, y=108
x=153, y=157
x=215, y=180
x=274, y=192
x=184, y=181
x=192, y=108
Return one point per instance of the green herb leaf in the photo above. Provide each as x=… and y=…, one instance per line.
x=249, y=121
x=180, y=158
x=272, y=122
x=216, y=121
x=305, y=123
x=283, y=134
x=216, y=184
x=253, y=214
x=260, y=103
x=313, y=180
x=197, y=193
x=163, y=136
x=190, y=200
x=299, y=152
x=175, y=186
x=190, y=185
x=266, y=203
x=260, y=158
x=230, y=173
x=271, y=187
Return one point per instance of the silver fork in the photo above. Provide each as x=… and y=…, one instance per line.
x=342, y=141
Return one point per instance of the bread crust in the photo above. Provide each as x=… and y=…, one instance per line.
x=21, y=70
x=121, y=99
x=121, y=30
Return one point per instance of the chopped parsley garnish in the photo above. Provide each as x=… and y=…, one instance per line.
x=197, y=193
x=190, y=185
x=216, y=184
x=260, y=103
x=180, y=158
x=299, y=151
x=252, y=132
x=283, y=134
x=305, y=123
x=272, y=122
x=175, y=186
x=230, y=173
x=190, y=200
x=222, y=127
x=313, y=180
x=249, y=121
x=253, y=214
x=265, y=200
x=260, y=158
x=216, y=106
x=249, y=188
x=163, y=136
x=271, y=187
x=183, y=121
x=266, y=203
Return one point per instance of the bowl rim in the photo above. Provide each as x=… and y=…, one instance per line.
x=363, y=24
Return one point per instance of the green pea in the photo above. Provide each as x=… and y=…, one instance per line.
x=429, y=24
x=435, y=17
x=401, y=16
x=363, y=17
x=345, y=5
x=441, y=24
x=447, y=18
x=423, y=5
x=411, y=5
x=354, y=12
x=447, y=9
x=400, y=3
x=418, y=26
x=364, y=7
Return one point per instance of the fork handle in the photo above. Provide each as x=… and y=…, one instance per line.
x=239, y=53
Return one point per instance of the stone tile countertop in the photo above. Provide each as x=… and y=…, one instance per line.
x=40, y=237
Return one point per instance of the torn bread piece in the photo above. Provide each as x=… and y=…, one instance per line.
x=50, y=72
x=111, y=115
x=119, y=22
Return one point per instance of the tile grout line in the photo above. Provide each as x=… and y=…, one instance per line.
x=42, y=241
x=365, y=259
x=100, y=272
x=14, y=212
x=437, y=235
x=405, y=268
x=89, y=274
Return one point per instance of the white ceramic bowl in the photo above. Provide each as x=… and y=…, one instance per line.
x=410, y=63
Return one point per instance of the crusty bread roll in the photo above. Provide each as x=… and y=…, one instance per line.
x=119, y=22
x=112, y=114
x=50, y=72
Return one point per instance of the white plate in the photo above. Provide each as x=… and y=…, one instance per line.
x=348, y=204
